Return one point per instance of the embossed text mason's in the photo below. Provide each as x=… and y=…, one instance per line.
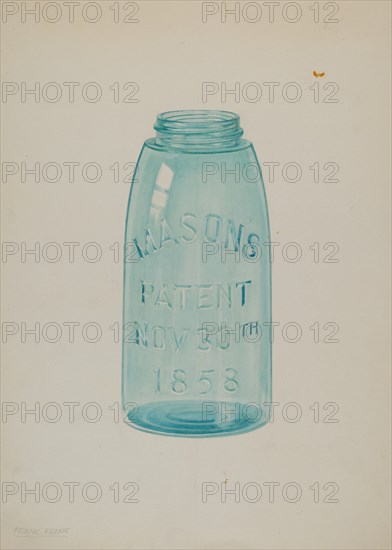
x=197, y=281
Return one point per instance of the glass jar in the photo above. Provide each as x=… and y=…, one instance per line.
x=197, y=281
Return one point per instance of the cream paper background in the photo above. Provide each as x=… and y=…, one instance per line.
x=170, y=52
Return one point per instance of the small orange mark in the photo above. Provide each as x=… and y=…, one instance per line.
x=317, y=75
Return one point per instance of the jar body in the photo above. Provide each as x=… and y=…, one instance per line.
x=197, y=294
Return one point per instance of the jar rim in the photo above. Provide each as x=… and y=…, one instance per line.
x=198, y=117
x=195, y=129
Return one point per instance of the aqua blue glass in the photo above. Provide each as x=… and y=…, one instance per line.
x=197, y=281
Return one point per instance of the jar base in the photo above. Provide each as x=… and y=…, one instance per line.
x=195, y=418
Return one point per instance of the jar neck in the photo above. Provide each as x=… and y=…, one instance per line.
x=201, y=130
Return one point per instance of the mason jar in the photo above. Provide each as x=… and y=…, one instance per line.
x=197, y=281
